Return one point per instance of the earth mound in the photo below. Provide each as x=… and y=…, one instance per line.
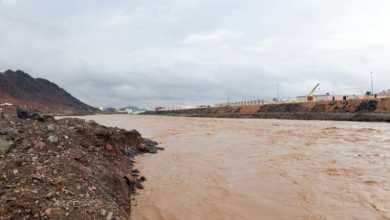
x=67, y=169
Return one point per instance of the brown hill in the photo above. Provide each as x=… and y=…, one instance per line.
x=19, y=88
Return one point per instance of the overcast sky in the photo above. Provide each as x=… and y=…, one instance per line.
x=182, y=52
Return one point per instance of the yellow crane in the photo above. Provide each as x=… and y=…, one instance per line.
x=309, y=98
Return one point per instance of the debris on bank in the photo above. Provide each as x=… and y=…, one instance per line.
x=68, y=168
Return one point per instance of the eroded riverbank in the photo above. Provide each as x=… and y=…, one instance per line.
x=367, y=110
x=261, y=169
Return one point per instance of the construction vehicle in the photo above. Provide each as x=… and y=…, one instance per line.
x=309, y=97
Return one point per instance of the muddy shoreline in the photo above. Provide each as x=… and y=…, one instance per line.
x=369, y=110
x=359, y=117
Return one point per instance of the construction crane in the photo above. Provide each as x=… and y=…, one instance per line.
x=309, y=98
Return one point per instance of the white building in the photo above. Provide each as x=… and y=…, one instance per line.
x=243, y=103
x=137, y=112
x=129, y=110
x=327, y=97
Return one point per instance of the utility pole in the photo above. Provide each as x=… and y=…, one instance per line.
x=372, y=86
x=228, y=98
x=361, y=91
x=277, y=92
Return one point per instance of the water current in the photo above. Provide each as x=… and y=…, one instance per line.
x=261, y=169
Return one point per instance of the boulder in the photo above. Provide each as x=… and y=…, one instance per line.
x=138, y=185
x=25, y=114
x=129, y=178
x=22, y=114
x=151, y=149
x=141, y=146
x=149, y=142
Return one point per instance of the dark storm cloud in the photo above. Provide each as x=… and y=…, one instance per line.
x=150, y=53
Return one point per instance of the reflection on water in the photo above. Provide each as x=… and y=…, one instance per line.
x=261, y=169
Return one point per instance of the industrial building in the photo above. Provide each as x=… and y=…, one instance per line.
x=385, y=93
x=242, y=103
x=327, y=97
x=179, y=107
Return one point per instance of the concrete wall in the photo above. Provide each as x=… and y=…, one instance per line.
x=244, y=103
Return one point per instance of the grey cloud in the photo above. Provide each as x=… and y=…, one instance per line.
x=149, y=53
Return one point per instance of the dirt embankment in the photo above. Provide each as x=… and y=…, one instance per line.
x=11, y=110
x=67, y=169
x=348, y=110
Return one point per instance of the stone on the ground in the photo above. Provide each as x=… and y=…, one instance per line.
x=52, y=139
x=109, y=216
x=149, y=142
x=22, y=114
x=130, y=179
x=50, y=127
x=151, y=149
x=5, y=146
x=109, y=147
x=138, y=185
x=40, y=144
x=48, y=212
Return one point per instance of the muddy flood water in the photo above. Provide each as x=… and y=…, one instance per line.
x=261, y=169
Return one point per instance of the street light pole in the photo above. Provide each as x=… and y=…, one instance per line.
x=372, y=86
x=277, y=92
x=228, y=97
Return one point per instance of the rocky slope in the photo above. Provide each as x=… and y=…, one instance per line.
x=22, y=89
x=349, y=110
x=68, y=169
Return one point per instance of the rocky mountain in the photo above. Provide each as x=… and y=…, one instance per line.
x=135, y=108
x=26, y=90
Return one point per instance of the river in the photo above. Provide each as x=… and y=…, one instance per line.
x=261, y=169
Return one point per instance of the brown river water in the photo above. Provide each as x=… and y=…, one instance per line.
x=261, y=169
